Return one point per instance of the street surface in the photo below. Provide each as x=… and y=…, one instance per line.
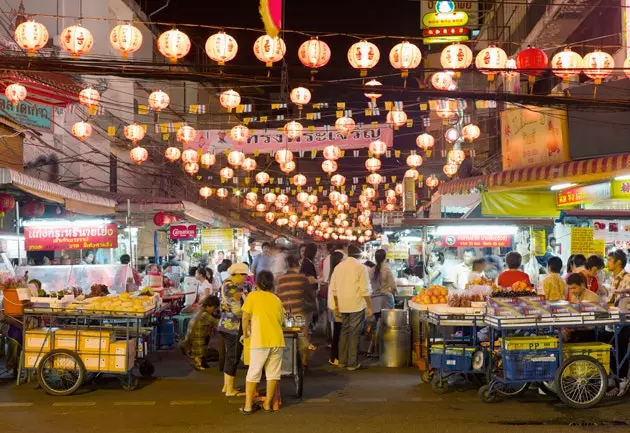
x=372, y=400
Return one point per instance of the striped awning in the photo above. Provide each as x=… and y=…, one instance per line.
x=586, y=170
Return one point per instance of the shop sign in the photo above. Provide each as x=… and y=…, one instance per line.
x=620, y=189
x=183, y=231
x=70, y=238
x=39, y=116
x=398, y=251
x=267, y=141
x=583, y=242
x=217, y=240
x=583, y=194
x=445, y=35
x=454, y=19
x=477, y=241
x=533, y=136
x=470, y=8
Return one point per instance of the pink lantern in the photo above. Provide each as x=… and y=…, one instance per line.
x=239, y=133
x=186, y=134
x=126, y=39
x=373, y=164
x=363, y=55
x=221, y=48
x=207, y=160
x=269, y=50
x=230, y=99
x=76, y=40
x=451, y=135
x=159, y=100
x=173, y=44
x=172, y=154
x=332, y=152
x=31, y=36
x=190, y=155
x=405, y=56
x=15, y=93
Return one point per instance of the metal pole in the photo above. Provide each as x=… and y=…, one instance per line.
x=17, y=230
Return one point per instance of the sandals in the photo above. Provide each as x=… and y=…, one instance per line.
x=255, y=408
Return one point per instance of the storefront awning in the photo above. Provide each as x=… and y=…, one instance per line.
x=72, y=200
x=189, y=209
x=587, y=170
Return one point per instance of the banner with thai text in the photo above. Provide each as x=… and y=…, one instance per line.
x=270, y=140
x=477, y=241
x=70, y=238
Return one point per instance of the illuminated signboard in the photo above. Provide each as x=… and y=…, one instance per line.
x=455, y=19
x=445, y=35
x=583, y=194
x=470, y=8
x=444, y=6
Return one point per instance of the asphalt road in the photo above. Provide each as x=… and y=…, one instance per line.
x=373, y=400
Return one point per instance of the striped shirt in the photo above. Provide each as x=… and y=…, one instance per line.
x=293, y=289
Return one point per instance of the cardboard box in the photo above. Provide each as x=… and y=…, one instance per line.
x=95, y=341
x=40, y=340
x=122, y=355
x=95, y=362
x=32, y=359
x=67, y=339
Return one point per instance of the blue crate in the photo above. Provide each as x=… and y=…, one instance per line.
x=533, y=366
x=453, y=359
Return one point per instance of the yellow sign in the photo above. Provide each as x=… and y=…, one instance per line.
x=620, y=189
x=445, y=39
x=454, y=19
x=217, y=240
x=532, y=135
x=540, y=242
x=398, y=251
x=582, y=242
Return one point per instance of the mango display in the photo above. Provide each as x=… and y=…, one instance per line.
x=432, y=295
x=120, y=304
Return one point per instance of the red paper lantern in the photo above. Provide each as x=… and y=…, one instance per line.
x=163, y=218
x=33, y=208
x=532, y=61
x=7, y=203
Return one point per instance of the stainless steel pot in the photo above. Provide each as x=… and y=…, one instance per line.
x=395, y=318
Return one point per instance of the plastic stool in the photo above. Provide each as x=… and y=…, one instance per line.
x=182, y=320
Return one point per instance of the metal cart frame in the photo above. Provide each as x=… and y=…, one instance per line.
x=292, y=361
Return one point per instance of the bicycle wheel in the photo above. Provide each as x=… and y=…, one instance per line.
x=60, y=372
x=505, y=390
x=581, y=382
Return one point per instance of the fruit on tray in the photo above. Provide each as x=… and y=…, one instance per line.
x=465, y=301
x=432, y=295
x=124, y=303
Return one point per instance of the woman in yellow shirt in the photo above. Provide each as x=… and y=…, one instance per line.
x=554, y=286
x=263, y=316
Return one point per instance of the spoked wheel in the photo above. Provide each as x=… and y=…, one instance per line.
x=505, y=390
x=129, y=382
x=427, y=376
x=581, y=382
x=60, y=372
x=298, y=378
x=548, y=388
x=439, y=385
x=486, y=395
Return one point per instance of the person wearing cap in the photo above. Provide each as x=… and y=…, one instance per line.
x=233, y=291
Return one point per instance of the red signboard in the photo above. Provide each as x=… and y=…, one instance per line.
x=70, y=238
x=183, y=231
x=583, y=194
x=477, y=241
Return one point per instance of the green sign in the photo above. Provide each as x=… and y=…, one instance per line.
x=28, y=114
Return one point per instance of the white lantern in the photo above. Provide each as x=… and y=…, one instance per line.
x=159, y=100
x=173, y=44
x=230, y=99
x=269, y=50
x=221, y=47
x=405, y=56
x=31, y=36
x=76, y=40
x=126, y=38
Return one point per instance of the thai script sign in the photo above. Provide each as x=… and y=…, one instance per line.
x=26, y=113
x=70, y=238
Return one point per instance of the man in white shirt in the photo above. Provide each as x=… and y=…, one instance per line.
x=325, y=276
x=463, y=270
x=350, y=285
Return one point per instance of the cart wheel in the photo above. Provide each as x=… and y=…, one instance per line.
x=298, y=378
x=581, y=382
x=548, y=388
x=146, y=368
x=487, y=396
x=129, y=382
x=505, y=390
x=60, y=372
x=440, y=386
x=427, y=376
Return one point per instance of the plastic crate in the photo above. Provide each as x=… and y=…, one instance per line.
x=533, y=366
x=531, y=343
x=599, y=351
x=454, y=358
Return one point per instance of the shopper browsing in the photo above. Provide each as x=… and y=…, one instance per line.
x=263, y=316
x=578, y=290
x=196, y=343
x=350, y=287
x=554, y=286
x=513, y=274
